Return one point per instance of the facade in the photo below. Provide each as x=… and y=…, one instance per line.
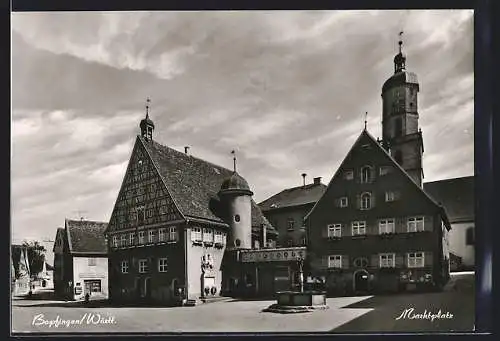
x=286, y=211
x=177, y=224
x=20, y=271
x=457, y=196
x=374, y=228
x=80, y=260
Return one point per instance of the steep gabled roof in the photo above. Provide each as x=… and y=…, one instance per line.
x=59, y=234
x=85, y=236
x=295, y=196
x=379, y=148
x=456, y=195
x=194, y=183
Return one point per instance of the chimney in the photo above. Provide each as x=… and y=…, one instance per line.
x=264, y=236
x=304, y=179
x=186, y=148
x=317, y=180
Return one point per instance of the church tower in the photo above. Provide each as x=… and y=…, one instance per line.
x=147, y=126
x=401, y=136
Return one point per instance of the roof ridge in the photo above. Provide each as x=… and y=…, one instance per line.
x=450, y=179
x=196, y=158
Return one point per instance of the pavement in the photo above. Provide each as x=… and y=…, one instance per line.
x=452, y=310
x=45, y=314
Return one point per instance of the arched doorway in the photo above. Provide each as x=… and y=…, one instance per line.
x=360, y=281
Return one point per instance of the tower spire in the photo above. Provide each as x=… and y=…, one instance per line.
x=147, y=126
x=400, y=59
x=148, y=101
x=400, y=41
x=234, y=160
x=366, y=116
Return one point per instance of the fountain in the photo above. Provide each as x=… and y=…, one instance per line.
x=289, y=302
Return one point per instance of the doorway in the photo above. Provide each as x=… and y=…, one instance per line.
x=147, y=288
x=361, y=278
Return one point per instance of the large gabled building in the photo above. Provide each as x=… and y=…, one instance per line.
x=374, y=228
x=176, y=222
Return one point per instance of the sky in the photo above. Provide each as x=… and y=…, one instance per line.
x=287, y=90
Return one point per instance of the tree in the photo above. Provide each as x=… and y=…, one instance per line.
x=36, y=256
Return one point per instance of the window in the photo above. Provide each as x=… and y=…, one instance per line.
x=237, y=218
x=366, y=201
x=92, y=261
x=219, y=237
x=140, y=215
x=366, y=174
x=335, y=261
x=334, y=230
x=141, y=237
x=123, y=240
x=131, y=241
x=386, y=226
x=208, y=235
x=349, y=175
x=387, y=260
x=303, y=241
x=151, y=236
x=124, y=266
x=390, y=196
x=415, y=259
x=173, y=233
x=415, y=224
x=143, y=266
x=358, y=228
x=384, y=170
x=469, y=236
x=115, y=241
x=361, y=262
x=196, y=234
x=290, y=224
x=161, y=234
x=343, y=202
x=162, y=265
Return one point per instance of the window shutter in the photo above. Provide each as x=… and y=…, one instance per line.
x=324, y=262
x=399, y=261
x=374, y=261
x=428, y=259
x=345, y=262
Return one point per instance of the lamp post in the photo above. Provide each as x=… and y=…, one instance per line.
x=300, y=263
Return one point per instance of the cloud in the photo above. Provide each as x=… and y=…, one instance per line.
x=287, y=89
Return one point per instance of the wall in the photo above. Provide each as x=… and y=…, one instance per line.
x=194, y=255
x=83, y=271
x=457, y=242
x=129, y=286
x=279, y=219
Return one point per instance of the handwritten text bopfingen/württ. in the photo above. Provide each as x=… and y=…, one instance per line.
x=86, y=319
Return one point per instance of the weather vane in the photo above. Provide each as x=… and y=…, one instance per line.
x=400, y=40
x=366, y=115
x=148, y=101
